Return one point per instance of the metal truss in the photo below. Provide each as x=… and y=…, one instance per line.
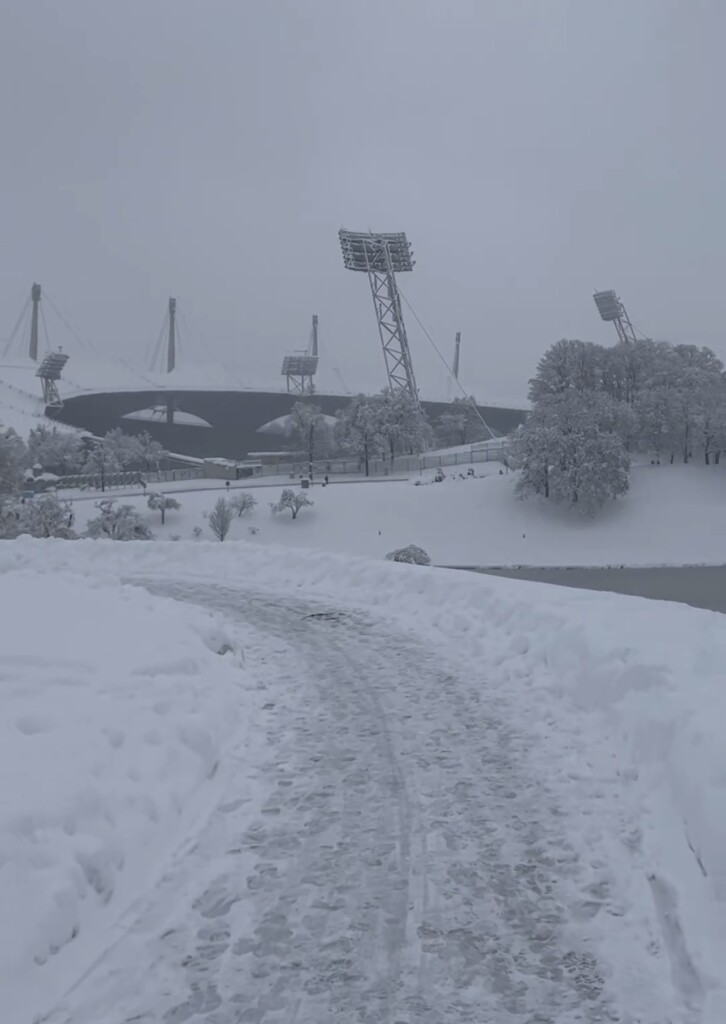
x=391, y=328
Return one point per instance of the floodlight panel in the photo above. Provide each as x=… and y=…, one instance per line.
x=299, y=366
x=365, y=251
x=608, y=305
x=52, y=366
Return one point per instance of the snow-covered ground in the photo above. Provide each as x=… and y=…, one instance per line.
x=673, y=515
x=612, y=707
x=21, y=408
x=119, y=713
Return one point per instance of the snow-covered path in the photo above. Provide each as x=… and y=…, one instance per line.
x=392, y=862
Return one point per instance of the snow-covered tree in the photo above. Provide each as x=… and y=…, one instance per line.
x=568, y=364
x=358, y=430
x=151, y=452
x=117, y=451
x=127, y=448
x=570, y=450
x=403, y=424
x=592, y=469
x=531, y=452
x=162, y=503
x=292, y=501
x=695, y=378
x=461, y=424
x=412, y=554
x=311, y=430
x=220, y=518
x=46, y=516
x=657, y=413
x=711, y=420
x=118, y=522
x=243, y=502
x=58, y=451
x=101, y=461
x=13, y=456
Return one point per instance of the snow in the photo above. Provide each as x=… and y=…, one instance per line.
x=118, y=715
x=620, y=701
x=21, y=409
x=673, y=515
x=159, y=413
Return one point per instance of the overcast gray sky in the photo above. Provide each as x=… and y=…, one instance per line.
x=533, y=150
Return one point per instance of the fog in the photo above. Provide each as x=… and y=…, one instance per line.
x=533, y=151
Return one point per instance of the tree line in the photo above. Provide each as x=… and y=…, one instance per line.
x=593, y=407
x=381, y=427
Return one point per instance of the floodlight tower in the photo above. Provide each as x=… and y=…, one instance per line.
x=301, y=367
x=49, y=372
x=612, y=310
x=382, y=257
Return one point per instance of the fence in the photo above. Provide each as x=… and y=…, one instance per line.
x=293, y=469
x=386, y=467
x=107, y=481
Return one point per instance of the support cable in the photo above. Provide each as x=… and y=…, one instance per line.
x=45, y=330
x=449, y=370
x=16, y=328
x=159, y=345
x=85, y=345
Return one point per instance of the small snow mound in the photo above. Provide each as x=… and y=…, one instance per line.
x=411, y=554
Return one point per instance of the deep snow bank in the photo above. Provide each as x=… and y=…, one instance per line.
x=116, y=711
x=624, y=703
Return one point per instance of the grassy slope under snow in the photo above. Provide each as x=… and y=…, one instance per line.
x=673, y=515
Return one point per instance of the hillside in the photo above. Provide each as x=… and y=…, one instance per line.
x=673, y=515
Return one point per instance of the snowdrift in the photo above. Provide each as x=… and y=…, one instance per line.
x=117, y=712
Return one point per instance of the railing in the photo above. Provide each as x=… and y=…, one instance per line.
x=401, y=464
x=385, y=467
x=130, y=478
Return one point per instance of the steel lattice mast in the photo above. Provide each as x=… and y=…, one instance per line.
x=382, y=257
x=612, y=310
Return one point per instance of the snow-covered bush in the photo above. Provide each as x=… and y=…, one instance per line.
x=46, y=516
x=243, y=502
x=288, y=499
x=120, y=522
x=162, y=503
x=412, y=554
x=220, y=518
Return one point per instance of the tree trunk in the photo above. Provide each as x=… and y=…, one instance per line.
x=163, y=515
x=365, y=456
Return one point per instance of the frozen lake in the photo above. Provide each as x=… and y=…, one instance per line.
x=697, y=585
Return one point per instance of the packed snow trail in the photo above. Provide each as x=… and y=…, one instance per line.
x=392, y=863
